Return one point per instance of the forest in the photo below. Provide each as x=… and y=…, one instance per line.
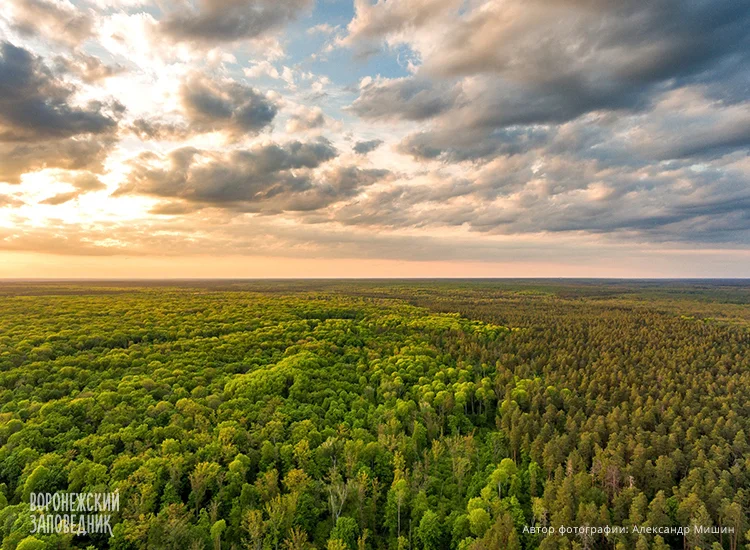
x=374, y=415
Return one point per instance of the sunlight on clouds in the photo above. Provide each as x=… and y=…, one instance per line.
x=401, y=137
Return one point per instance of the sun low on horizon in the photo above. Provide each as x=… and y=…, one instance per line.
x=398, y=138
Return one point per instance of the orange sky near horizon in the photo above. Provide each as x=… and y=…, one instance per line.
x=717, y=264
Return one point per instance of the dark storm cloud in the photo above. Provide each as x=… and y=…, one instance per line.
x=35, y=105
x=229, y=106
x=267, y=178
x=222, y=21
x=364, y=147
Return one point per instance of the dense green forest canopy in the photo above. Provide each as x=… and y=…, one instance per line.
x=379, y=414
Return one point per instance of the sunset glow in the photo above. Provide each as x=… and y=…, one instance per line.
x=403, y=138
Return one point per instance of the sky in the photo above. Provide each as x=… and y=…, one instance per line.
x=397, y=138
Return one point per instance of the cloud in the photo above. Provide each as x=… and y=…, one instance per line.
x=87, y=182
x=60, y=198
x=35, y=105
x=117, y=4
x=10, y=201
x=402, y=98
x=712, y=141
x=492, y=65
x=81, y=182
x=153, y=129
x=168, y=208
x=385, y=18
x=566, y=195
x=364, y=147
x=323, y=28
x=266, y=178
x=88, y=68
x=486, y=120
x=685, y=123
x=479, y=117
x=263, y=236
x=540, y=42
x=76, y=153
x=607, y=121
x=467, y=142
x=262, y=68
x=224, y=21
x=304, y=119
x=55, y=20
x=40, y=127
x=225, y=106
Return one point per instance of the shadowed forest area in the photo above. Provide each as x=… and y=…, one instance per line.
x=380, y=414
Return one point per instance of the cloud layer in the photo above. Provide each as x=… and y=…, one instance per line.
x=395, y=129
